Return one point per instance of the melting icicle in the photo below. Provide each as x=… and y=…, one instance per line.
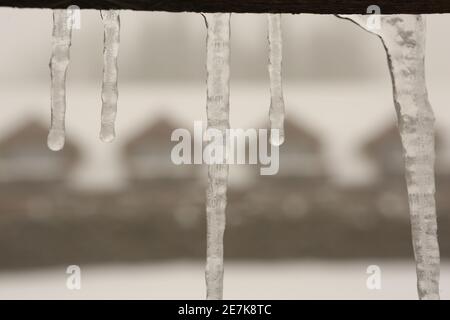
x=404, y=39
x=406, y=51
x=62, y=34
x=218, y=78
x=111, y=22
x=276, y=113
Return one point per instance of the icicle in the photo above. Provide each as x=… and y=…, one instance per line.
x=62, y=34
x=276, y=113
x=404, y=39
x=111, y=22
x=218, y=77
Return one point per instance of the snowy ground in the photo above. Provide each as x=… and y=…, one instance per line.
x=243, y=280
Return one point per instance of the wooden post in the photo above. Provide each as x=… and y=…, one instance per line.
x=246, y=6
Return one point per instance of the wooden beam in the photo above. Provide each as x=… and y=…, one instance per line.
x=246, y=6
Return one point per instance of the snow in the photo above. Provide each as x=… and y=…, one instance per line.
x=297, y=279
x=354, y=114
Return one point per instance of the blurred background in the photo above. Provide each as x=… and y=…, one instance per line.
x=135, y=223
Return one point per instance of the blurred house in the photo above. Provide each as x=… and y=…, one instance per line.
x=389, y=191
x=147, y=155
x=297, y=188
x=385, y=152
x=301, y=154
x=25, y=159
x=158, y=187
x=34, y=190
x=301, y=162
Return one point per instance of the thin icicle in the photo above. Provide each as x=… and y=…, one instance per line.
x=276, y=113
x=111, y=22
x=62, y=35
x=404, y=39
x=218, y=78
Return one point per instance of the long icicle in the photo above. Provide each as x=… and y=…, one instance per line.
x=111, y=22
x=276, y=113
x=62, y=35
x=406, y=52
x=218, y=78
x=403, y=37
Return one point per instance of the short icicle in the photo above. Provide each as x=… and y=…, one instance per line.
x=277, y=113
x=403, y=37
x=62, y=35
x=218, y=78
x=111, y=22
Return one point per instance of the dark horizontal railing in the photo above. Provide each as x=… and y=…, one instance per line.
x=249, y=6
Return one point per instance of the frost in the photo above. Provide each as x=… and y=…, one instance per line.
x=403, y=37
x=111, y=22
x=276, y=113
x=218, y=78
x=62, y=34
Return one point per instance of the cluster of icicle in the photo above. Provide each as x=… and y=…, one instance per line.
x=59, y=62
x=218, y=107
x=61, y=42
x=404, y=40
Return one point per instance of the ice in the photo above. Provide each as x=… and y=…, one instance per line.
x=62, y=34
x=276, y=113
x=403, y=37
x=218, y=78
x=111, y=22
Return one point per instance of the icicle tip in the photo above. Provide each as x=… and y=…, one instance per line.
x=55, y=140
x=107, y=134
x=276, y=141
x=277, y=138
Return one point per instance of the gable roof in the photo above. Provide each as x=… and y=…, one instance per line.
x=158, y=133
x=295, y=132
x=390, y=134
x=33, y=132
